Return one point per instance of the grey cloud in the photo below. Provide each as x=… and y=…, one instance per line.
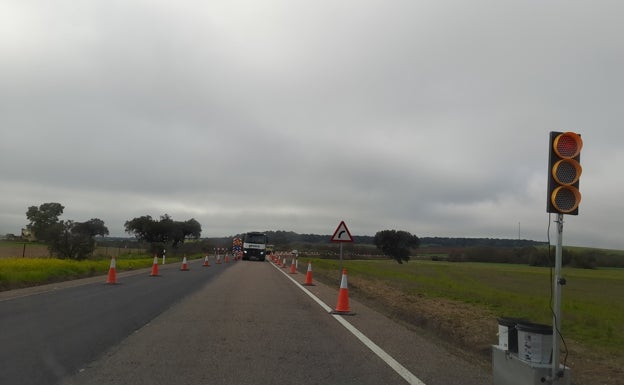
x=427, y=116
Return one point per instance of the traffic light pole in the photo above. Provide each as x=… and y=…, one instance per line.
x=557, y=284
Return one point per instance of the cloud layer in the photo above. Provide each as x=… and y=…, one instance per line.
x=430, y=117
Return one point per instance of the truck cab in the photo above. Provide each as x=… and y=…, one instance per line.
x=255, y=246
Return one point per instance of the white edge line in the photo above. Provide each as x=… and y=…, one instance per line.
x=394, y=364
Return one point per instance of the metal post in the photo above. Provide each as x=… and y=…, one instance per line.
x=557, y=298
x=341, y=259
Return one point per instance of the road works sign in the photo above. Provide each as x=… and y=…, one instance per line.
x=342, y=234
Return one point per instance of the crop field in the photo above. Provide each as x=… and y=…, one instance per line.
x=37, y=268
x=37, y=250
x=19, y=249
x=23, y=272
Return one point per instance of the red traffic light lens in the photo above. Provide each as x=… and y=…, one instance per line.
x=568, y=145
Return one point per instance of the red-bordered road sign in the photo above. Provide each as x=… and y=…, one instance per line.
x=342, y=234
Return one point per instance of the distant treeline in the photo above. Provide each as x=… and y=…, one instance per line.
x=289, y=237
x=584, y=258
x=492, y=250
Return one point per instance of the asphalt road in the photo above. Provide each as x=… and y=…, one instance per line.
x=242, y=323
x=49, y=334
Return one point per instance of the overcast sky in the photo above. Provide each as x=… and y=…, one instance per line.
x=428, y=116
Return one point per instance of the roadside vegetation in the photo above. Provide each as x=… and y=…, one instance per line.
x=591, y=309
x=18, y=272
x=24, y=272
x=461, y=302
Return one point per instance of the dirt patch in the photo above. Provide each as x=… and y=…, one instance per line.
x=473, y=330
x=28, y=251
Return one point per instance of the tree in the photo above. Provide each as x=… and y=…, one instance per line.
x=164, y=231
x=191, y=229
x=75, y=240
x=92, y=227
x=70, y=242
x=43, y=220
x=396, y=244
x=66, y=239
x=143, y=228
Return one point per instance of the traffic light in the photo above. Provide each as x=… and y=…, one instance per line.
x=564, y=171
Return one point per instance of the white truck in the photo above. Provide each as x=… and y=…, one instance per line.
x=255, y=246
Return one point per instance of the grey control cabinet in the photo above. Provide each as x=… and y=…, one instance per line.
x=508, y=369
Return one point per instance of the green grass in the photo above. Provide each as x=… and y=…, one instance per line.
x=38, y=269
x=592, y=305
x=23, y=272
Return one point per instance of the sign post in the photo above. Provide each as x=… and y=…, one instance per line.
x=558, y=282
x=296, y=254
x=341, y=235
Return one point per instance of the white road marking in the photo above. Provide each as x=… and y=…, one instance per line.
x=385, y=357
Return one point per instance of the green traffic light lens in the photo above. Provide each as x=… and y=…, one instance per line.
x=565, y=199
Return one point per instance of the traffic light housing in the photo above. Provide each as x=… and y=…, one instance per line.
x=564, y=171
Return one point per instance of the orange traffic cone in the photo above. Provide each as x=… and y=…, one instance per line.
x=112, y=272
x=293, y=268
x=184, y=266
x=284, y=263
x=155, y=267
x=308, y=280
x=343, y=297
x=226, y=259
x=218, y=259
x=206, y=262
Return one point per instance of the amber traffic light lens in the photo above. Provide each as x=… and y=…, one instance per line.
x=567, y=171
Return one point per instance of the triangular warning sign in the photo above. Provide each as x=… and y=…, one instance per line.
x=342, y=234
